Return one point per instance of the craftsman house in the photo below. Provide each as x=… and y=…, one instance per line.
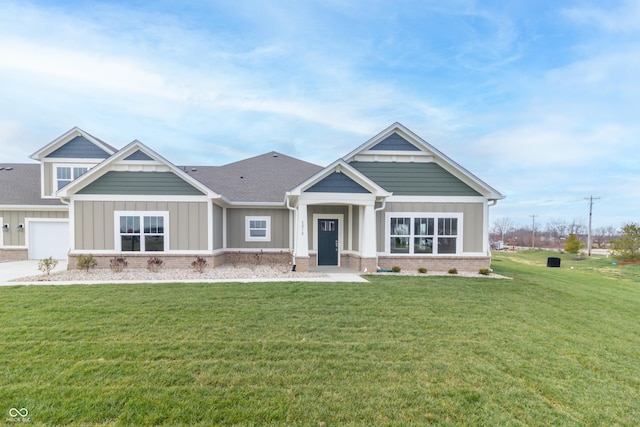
x=394, y=200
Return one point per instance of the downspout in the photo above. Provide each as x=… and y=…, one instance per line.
x=384, y=205
x=491, y=203
x=295, y=231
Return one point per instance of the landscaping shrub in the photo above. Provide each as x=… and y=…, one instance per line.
x=484, y=271
x=46, y=265
x=154, y=264
x=395, y=269
x=453, y=271
x=86, y=262
x=118, y=264
x=199, y=264
x=422, y=270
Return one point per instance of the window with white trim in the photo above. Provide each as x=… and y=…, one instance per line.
x=257, y=229
x=423, y=233
x=141, y=231
x=66, y=174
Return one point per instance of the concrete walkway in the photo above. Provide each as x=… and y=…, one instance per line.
x=17, y=269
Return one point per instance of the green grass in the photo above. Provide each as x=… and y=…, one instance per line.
x=553, y=346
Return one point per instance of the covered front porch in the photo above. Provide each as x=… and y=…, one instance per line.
x=335, y=235
x=335, y=219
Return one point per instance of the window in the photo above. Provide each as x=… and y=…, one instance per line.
x=423, y=234
x=141, y=232
x=258, y=229
x=66, y=174
x=400, y=235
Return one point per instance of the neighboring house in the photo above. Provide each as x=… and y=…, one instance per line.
x=395, y=200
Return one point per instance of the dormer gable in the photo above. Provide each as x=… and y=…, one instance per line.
x=75, y=144
x=68, y=157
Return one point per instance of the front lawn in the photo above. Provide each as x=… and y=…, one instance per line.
x=553, y=346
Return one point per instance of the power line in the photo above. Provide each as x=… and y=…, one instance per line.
x=590, y=199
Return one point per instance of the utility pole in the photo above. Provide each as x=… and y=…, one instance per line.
x=590, y=199
x=533, y=231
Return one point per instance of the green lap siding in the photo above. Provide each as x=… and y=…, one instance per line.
x=414, y=179
x=141, y=183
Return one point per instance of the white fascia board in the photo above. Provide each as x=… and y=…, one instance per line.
x=337, y=199
x=72, y=160
x=137, y=197
x=437, y=199
x=33, y=208
x=279, y=205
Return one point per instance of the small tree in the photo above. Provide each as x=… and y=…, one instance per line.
x=47, y=264
x=572, y=244
x=627, y=246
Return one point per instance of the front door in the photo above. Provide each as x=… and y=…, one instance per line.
x=327, y=242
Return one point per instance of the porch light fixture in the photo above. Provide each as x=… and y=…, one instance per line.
x=5, y=227
x=20, y=227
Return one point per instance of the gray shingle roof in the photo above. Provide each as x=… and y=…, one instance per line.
x=20, y=185
x=262, y=179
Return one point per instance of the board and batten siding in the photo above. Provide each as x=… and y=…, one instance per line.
x=473, y=224
x=236, y=228
x=13, y=237
x=48, y=178
x=95, y=228
x=329, y=209
x=414, y=179
x=218, y=227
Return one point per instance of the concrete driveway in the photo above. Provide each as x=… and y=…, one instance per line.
x=17, y=269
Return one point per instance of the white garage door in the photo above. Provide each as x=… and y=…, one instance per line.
x=48, y=239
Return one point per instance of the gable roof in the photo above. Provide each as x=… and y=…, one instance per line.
x=262, y=179
x=147, y=157
x=340, y=167
x=79, y=141
x=397, y=139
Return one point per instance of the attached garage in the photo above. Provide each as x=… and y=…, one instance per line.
x=48, y=238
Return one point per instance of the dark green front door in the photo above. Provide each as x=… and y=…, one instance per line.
x=327, y=242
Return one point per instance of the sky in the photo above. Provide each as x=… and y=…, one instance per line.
x=540, y=99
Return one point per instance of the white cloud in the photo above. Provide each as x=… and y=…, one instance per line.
x=625, y=18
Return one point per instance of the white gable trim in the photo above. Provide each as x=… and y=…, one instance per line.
x=116, y=162
x=341, y=166
x=364, y=153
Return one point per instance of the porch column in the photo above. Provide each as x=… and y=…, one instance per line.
x=369, y=233
x=301, y=250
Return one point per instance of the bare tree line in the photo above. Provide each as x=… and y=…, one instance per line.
x=549, y=235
